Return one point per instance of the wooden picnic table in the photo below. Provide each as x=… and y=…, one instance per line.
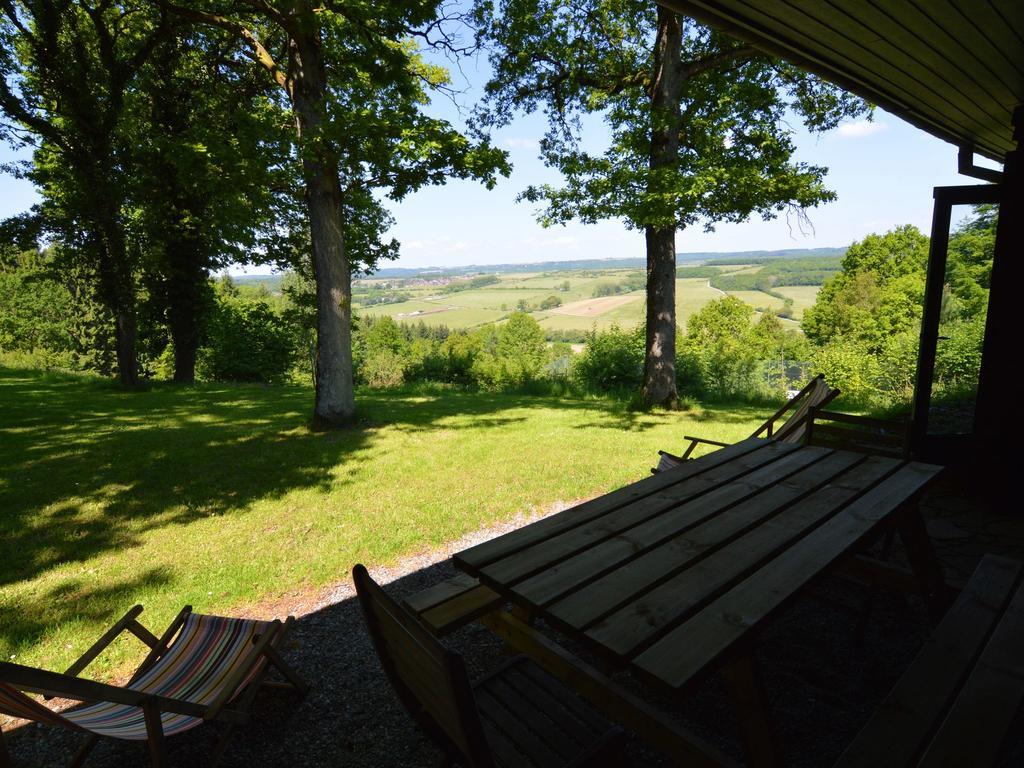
x=672, y=576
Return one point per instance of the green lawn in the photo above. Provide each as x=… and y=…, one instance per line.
x=220, y=496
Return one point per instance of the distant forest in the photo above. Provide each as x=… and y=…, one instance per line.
x=710, y=257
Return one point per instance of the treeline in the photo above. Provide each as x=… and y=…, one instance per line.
x=779, y=272
x=168, y=141
x=479, y=281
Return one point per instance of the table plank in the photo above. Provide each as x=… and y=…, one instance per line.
x=646, y=619
x=544, y=554
x=692, y=646
x=474, y=558
x=632, y=579
x=589, y=564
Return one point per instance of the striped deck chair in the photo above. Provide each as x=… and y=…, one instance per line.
x=815, y=395
x=203, y=668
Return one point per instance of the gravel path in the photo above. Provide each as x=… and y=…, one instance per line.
x=824, y=677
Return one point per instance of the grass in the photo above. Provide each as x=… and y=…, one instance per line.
x=220, y=496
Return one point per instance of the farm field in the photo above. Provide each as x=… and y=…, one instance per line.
x=104, y=506
x=589, y=298
x=803, y=296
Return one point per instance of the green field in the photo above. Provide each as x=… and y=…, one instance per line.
x=220, y=496
x=803, y=296
x=478, y=306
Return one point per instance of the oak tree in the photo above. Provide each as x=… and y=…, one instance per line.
x=697, y=122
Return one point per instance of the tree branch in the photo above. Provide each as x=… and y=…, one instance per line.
x=715, y=60
x=257, y=52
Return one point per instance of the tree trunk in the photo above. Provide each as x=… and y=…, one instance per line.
x=666, y=92
x=185, y=294
x=660, y=359
x=335, y=397
x=124, y=334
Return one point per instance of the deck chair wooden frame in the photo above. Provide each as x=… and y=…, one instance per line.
x=228, y=702
x=815, y=394
x=432, y=683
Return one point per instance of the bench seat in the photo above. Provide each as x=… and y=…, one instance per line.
x=454, y=603
x=956, y=703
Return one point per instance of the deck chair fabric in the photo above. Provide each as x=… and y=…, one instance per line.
x=209, y=652
x=206, y=667
x=473, y=724
x=815, y=395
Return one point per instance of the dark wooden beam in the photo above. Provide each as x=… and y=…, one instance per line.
x=997, y=415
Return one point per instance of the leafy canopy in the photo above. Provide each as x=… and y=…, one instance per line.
x=596, y=57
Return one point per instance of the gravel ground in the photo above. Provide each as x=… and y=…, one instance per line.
x=824, y=673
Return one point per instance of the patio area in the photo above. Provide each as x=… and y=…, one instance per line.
x=825, y=668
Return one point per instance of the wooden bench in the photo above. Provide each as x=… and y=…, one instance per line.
x=453, y=603
x=847, y=432
x=957, y=702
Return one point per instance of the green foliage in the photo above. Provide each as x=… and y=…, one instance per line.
x=480, y=281
x=597, y=57
x=50, y=317
x=551, y=302
x=612, y=361
x=381, y=353
x=878, y=293
x=865, y=324
x=959, y=354
x=514, y=356
x=721, y=340
x=851, y=368
x=246, y=341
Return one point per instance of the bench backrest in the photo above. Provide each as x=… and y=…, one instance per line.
x=430, y=680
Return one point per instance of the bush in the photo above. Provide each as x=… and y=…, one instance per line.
x=246, y=341
x=958, y=359
x=613, y=360
x=849, y=367
x=511, y=357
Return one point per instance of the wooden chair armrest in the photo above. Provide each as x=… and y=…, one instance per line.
x=127, y=622
x=79, y=689
x=692, y=439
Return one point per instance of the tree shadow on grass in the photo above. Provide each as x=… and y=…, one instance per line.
x=88, y=467
x=77, y=600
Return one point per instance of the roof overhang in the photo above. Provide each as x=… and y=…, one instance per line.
x=954, y=68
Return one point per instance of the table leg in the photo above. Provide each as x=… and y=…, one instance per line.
x=923, y=561
x=604, y=694
x=760, y=741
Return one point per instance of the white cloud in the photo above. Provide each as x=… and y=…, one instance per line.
x=860, y=128
x=516, y=142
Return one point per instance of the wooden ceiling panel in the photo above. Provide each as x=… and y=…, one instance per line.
x=954, y=68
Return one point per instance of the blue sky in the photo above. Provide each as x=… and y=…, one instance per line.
x=882, y=171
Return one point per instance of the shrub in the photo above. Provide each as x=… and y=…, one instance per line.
x=246, y=341
x=849, y=367
x=612, y=360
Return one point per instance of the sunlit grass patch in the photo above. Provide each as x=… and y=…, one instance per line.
x=221, y=496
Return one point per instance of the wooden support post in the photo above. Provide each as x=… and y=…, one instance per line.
x=760, y=741
x=926, y=566
x=155, y=735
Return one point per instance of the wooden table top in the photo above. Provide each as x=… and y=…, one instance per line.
x=668, y=573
